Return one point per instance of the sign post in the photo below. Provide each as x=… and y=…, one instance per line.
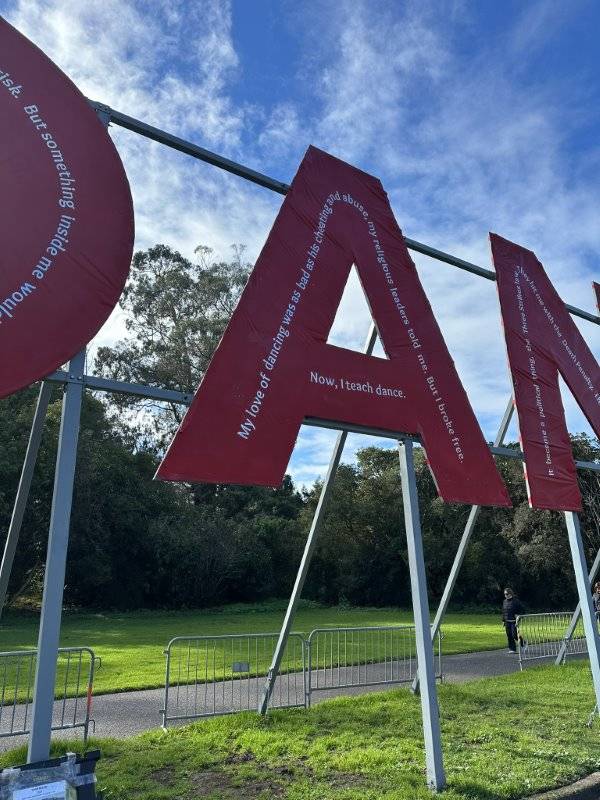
x=576, y=614
x=16, y=520
x=463, y=544
x=418, y=583
x=56, y=561
x=585, y=598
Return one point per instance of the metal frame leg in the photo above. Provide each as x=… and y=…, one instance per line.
x=14, y=529
x=462, y=547
x=585, y=598
x=436, y=778
x=309, y=549
x=562, y=653
x=54, y=579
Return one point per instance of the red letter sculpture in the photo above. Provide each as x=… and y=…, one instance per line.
x=542, y=340
x=273, y=367
x=66, y=219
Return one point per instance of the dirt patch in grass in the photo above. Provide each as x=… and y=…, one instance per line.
x=347, y=780
x=221, y=785
x=165, y=776
x=272, y=782
x=268, y=782
x=240, y=758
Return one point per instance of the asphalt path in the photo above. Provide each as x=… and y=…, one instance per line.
x=126, y=714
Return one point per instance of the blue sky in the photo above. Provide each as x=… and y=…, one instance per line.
x=476, y=116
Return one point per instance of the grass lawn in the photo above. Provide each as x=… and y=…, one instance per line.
x=131, y=644
x=503, y=738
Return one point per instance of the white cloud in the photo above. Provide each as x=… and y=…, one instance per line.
x=537, y=24
x=172, y=68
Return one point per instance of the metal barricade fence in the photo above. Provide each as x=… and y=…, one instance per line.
x=351, y=657
x=543, y=636
x=210, y=675
x=73, y=692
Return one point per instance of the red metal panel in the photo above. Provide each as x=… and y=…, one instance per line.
x=273, y=366
x=542, y=340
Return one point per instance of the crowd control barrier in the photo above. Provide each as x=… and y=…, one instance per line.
x=342, y=658
x=211, y=675
x=544, y=635
x=73, y=690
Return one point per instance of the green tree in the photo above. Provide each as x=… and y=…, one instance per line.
x=176, y=311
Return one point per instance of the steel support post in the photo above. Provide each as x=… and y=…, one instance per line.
x=56, y=559
x=436, y=778
x=14, y=529
x=576, y=614
x=585, y=598
x=462, y=547
x=309, y=548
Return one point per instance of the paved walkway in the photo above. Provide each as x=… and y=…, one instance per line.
x=127, y=713
x=585, y=789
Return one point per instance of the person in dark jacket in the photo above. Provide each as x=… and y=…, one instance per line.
x=511, y=608
x=596, y=600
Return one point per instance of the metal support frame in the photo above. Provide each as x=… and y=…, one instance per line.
x=464, y=541
x=100, y=384
x=309, y=548
x=585, y=599
x=75, y=384
x=429, y=706
x=14, y=529
x=576, y=614
x=56, y=560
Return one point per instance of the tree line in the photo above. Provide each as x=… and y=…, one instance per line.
x=139, y=543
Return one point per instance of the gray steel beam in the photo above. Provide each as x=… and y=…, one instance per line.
x=123, y=387
x=576, y=614
x=447, y=258
x=182, y=398
x=309, y=548
x=509, y=452
x=14, y=529
x=190, y=149
x=588, y=465
x=349, y=427
x=56, y=560
x=183, y=146
x=585, y=598
x=464, y=541
x=436, y=778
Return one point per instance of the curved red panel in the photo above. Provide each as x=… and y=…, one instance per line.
x=66, y=216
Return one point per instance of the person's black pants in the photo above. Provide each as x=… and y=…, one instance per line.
x=511, y=634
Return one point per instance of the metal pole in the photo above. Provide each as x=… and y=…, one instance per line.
x=576, y=614
x=108, y=114
x=54, y=579
x=14, y=529
x=171, y=396
x=436, y=778
x=585, y=598
x=309, y=549
x=462, y=547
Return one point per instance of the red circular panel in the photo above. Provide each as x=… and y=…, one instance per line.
x=66, y=216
